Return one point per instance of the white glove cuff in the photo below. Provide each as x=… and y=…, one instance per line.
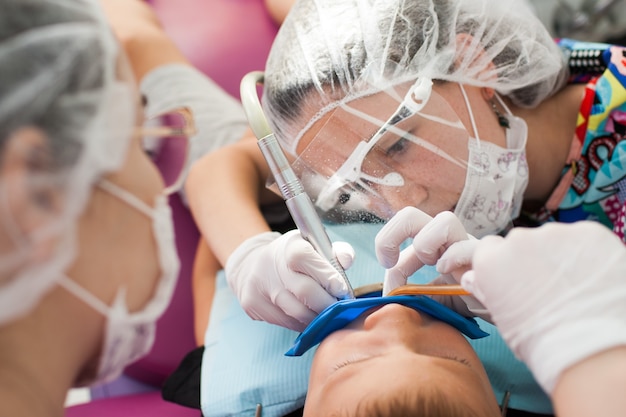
x=219, y=117
x=241, y=252
x=559, y=348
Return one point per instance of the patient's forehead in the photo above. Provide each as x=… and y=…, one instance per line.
x=405, y=385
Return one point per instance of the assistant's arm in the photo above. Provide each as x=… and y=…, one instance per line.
x=142, y=36
x=558, y=296
x=278, y=9
x=168, y=81
x=594, y=386
x=225, y=190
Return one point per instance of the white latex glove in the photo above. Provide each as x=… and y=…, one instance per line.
x=440, y=241
x=282, y=280
x=557, y=293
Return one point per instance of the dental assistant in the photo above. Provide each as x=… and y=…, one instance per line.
x=87, y=256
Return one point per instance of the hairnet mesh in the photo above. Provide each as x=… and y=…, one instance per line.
x=61, y=76
x=325, y=46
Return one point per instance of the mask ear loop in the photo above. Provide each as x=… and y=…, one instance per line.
x=126, y=197
x=471, y=115
x=82, y=294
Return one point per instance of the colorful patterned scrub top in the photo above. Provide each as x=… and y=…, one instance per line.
x=593, y=183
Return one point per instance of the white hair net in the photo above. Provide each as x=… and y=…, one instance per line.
x=324, y=47
x=67, y=110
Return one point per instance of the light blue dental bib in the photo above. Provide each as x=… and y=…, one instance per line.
x=244, y=362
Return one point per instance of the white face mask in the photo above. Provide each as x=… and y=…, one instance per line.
x=496, y=179
x=129, y=336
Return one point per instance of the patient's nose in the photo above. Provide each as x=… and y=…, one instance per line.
x=392, y=315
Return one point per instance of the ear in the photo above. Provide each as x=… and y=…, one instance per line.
x=472, y=56
x=487, y=93
x=30, y=194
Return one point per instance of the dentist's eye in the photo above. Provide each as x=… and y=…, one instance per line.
x=398, y=147
x=344, y=198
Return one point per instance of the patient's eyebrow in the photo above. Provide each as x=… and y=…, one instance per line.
x=456, y=359
x=356, y=361
x=447, y=358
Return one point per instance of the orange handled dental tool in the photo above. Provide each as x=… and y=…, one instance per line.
x=427, y=289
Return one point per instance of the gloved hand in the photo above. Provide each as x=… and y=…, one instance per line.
x=282, y=280
x=557, y=293
x=440, y=241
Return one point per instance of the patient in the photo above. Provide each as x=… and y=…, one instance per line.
x=421, y=366
x=359, y=370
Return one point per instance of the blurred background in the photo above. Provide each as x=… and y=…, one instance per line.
x=590, y=20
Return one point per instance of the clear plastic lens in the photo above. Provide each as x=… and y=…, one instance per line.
x=370, y=159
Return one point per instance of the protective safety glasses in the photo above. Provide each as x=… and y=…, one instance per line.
x=352, y=170
x=165, y=139
x=401, y=145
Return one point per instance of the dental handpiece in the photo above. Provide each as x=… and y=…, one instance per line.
x=296, y=199
x=300, y=205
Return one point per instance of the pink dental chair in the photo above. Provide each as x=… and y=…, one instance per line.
x=225, y=39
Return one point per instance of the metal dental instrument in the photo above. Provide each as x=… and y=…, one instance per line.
x=297, y=200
